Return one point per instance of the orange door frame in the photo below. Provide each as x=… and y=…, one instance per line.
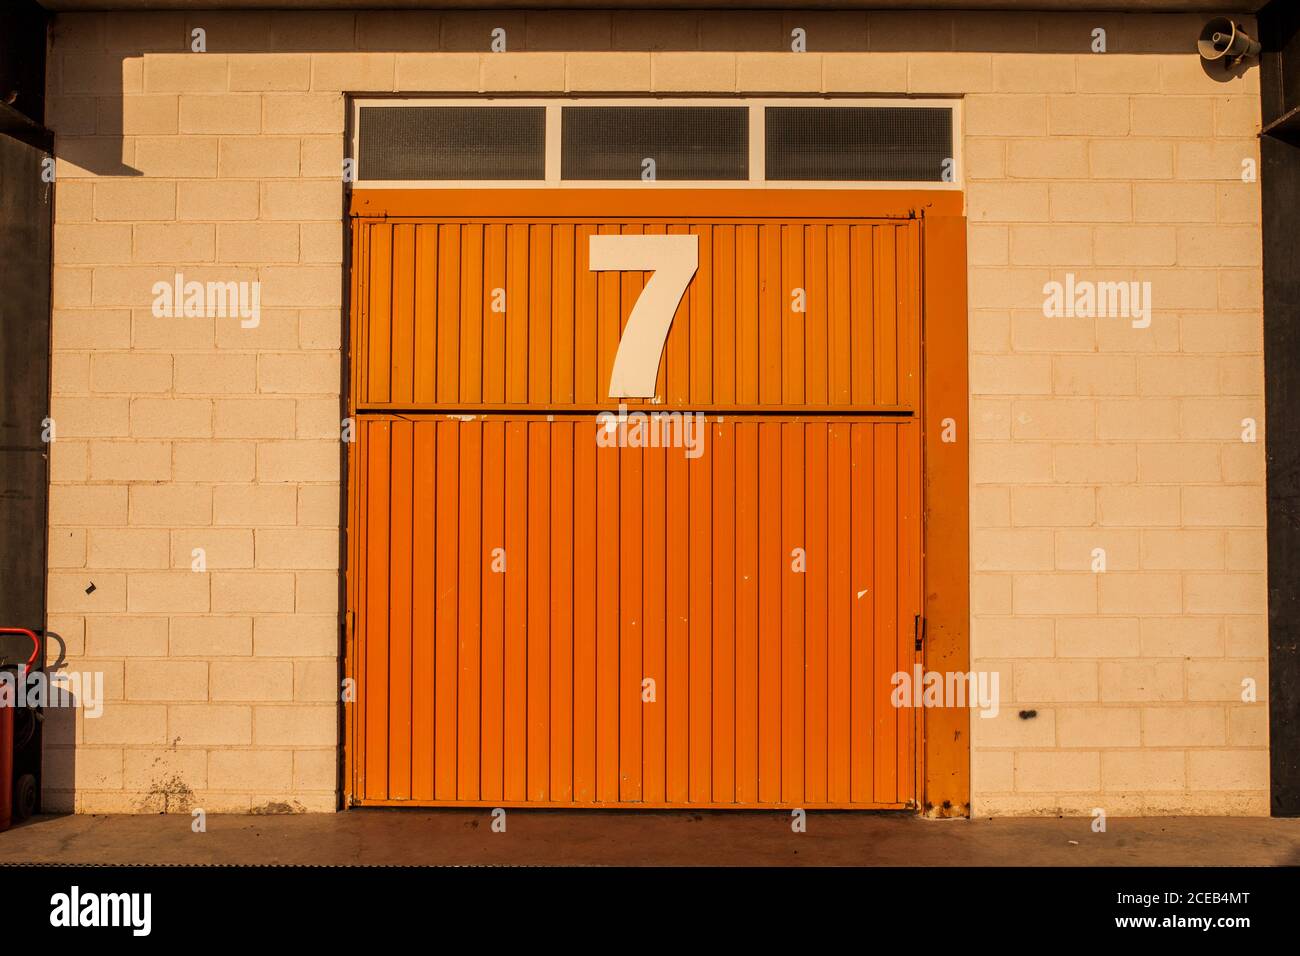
x=943, y=734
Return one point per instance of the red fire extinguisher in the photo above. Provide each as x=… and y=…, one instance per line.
x=7, y=710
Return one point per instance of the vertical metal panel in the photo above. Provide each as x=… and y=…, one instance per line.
x=584, y=612
x=606, y=591
x=378, y=318
x=561, y=607
x=401, y=626
x=445, y=606
x=447, y=373
x=841, y=604
x=515, y=316
x=492, y=355
x=492, y=615
x=423, y=542
x=563, y=281
x=698, y=557
x=816, y=488
x=515, y=554
x=631, y=615
x=425, y=303
x=375, y=441
x=654, y=636
x=770, y=578
x=537, y=637
x=473, y=272
x=793, y=575
x=520, y=589
x=469, y=613
x=747, y=618
x=721, y=452
x=676, y=690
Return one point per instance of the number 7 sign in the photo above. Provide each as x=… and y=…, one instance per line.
x=673, y=260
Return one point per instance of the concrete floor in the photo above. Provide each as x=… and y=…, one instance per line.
x=658, y=838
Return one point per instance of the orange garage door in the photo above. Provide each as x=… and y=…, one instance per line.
x=699, y=609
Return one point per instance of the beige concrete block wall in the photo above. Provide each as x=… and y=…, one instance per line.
x=175, y=434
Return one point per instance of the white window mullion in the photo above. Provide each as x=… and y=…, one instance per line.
x=554, y=137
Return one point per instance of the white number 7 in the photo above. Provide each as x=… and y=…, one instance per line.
x=673, y=260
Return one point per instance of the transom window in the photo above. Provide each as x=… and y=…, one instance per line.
x=628, y=143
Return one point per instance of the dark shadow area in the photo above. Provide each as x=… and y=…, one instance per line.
x=26, y=217
x=1280, y=200
x=99, y=56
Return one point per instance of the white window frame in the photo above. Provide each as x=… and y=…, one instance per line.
x=757, y=142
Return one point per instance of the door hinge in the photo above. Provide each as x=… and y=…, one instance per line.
x=918, y=630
